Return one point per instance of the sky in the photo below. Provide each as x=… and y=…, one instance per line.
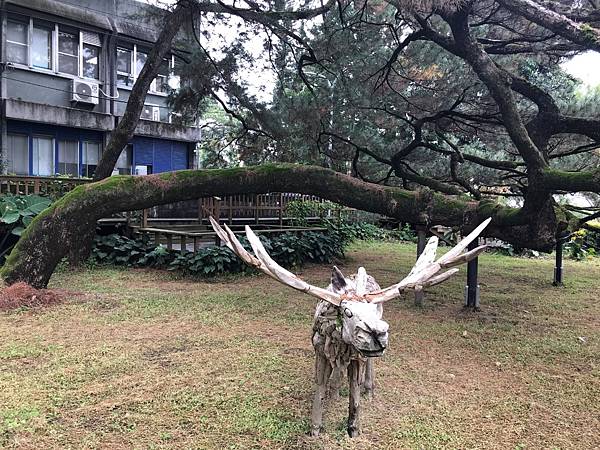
x=586, y=67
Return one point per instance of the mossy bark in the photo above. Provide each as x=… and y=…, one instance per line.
x=61, y=229
x=562, y=180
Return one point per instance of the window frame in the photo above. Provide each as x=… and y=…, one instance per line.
x=27, y=152
x=129, y=74
x=83, y=163
x=54, y=53
x=133, y=73
x=59, y=154
x=54, y=155
x=25, y=44
x=49, y=28
x=85, y=43
x=77, y=36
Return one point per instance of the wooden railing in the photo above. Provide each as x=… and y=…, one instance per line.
x=254, y=206
x=51, y=186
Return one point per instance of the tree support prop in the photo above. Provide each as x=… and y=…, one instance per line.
x=558, y=269
x=421, y=242
x=472, y=287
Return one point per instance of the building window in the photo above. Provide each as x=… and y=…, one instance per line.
x=123, y=165
x=52, y=47
x=17, y=154
x=92, y=152
x=17, y=38
x=130, y=63
x=124, y=74
x=68, y=158
x=41, y=48
x=90, y=61
x=140, y=61
x=68, y=53
x=43, y=156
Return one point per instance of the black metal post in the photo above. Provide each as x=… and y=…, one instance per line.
x=472, y=287
x=421, y=242
x=558, y=269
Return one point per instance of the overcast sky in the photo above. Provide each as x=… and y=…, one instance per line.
x=586, y=67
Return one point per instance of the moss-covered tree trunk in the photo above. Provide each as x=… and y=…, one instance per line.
x=59, y=230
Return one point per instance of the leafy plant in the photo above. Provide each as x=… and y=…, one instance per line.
x=16, y=213
x=509, y=250
x=335, y=218
x=583, y=244
x=365, y=231
x=120, y=250
x=19, y=210
x=299, y=211
x=288, y=249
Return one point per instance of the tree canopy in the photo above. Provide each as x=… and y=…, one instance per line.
x=462, y=97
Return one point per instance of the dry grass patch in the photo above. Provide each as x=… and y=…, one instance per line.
x=146, y=360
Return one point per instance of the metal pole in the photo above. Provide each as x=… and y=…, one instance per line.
x=472, y=288
x=421, y=241
x=558, y=269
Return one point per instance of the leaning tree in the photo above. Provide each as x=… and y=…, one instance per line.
x=459, y=102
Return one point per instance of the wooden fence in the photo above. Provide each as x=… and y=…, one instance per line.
x=50, y=186
x=256, y=206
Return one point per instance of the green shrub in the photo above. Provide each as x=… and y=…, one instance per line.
x=335, y=218
x=364, y=231
x=583, y=244
x=507, y=249
x=288, y=249
x=122, y=251
x=19, y=210
x=300, y=210
x=16, y=213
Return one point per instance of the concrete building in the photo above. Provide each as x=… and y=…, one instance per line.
x=67, y=71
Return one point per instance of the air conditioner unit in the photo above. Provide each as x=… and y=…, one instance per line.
x=84, y=91
x=151, y=113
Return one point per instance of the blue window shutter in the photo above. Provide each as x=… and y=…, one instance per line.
x=162, y=156
x=180, y=156
x=144, y=151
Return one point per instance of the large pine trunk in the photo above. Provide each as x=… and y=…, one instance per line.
x=62, y=229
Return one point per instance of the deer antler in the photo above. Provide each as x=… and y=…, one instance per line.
x=426, y=271
x=263, y=262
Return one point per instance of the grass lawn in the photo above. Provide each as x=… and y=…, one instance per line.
x=140, y=359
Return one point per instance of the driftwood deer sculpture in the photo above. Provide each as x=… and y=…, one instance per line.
x=348, y=329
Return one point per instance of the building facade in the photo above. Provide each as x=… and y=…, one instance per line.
x=68, y=67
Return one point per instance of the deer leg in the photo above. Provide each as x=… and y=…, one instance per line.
x=322, y=373
x=355, y=379
x=335, y=382
x=369, y=385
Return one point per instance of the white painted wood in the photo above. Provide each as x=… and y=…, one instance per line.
x=348, y=326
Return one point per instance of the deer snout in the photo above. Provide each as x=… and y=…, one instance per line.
x=381, y=338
